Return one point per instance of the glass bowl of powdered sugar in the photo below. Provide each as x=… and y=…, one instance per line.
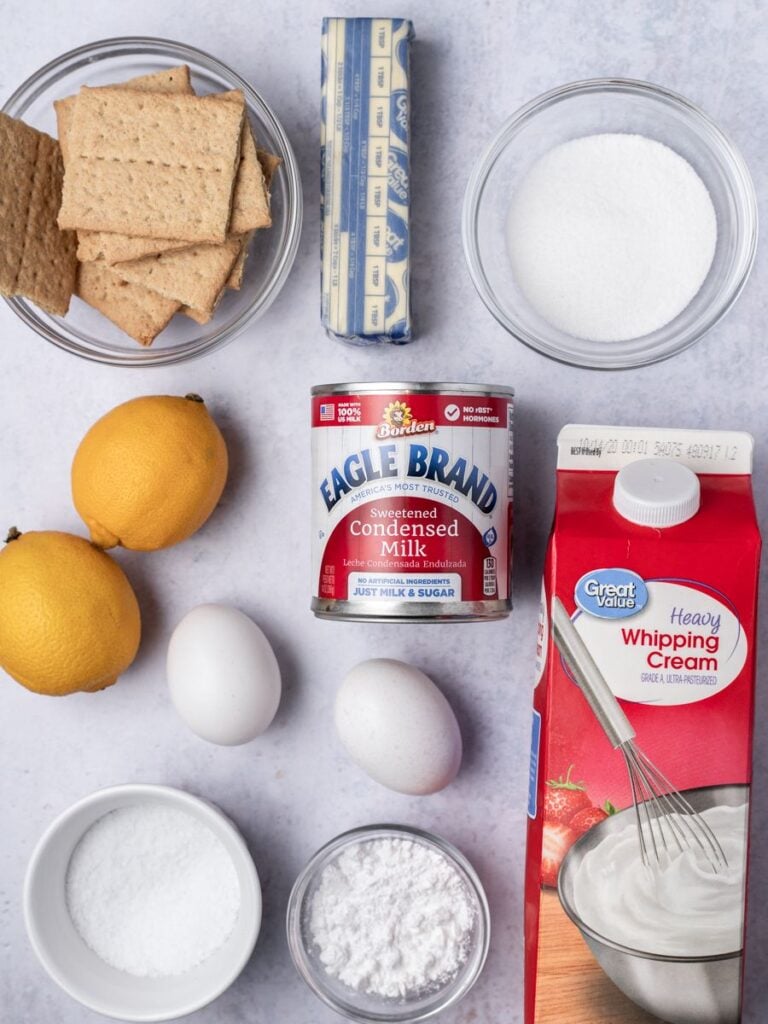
x=388, y=923
x=609, y=224
x=142, y=902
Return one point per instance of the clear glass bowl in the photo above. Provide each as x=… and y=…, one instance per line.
x=587, y=108
x=360, y=1006
x=87, y=333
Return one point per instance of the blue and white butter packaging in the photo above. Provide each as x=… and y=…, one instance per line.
x=365, y=179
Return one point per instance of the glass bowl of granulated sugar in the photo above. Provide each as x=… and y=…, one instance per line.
x=388, y=923
x=609, y=224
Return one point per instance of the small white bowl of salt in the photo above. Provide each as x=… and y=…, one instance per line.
x=142, y=902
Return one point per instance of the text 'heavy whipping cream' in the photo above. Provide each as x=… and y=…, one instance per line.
x=412, y=501
x=654, y=557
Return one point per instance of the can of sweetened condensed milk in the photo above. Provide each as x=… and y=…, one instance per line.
x=411, y=501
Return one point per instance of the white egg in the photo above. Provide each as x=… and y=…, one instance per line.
x=398, y=727
x=223, y=675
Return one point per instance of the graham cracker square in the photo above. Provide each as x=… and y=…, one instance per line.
x=37, y=259
x=152, y=164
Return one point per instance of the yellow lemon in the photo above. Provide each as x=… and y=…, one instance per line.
x=149, y=473
x=69, y=619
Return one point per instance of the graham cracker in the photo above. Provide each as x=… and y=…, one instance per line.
x=235, y=279
x=152, y=164
x=200, y=316
x=37, y=259
x=269, y=164
x=203, y=316
x=193, y=276
x=175, y=80
x=65, y=111
x=250, y=202
x=108, y=246
x=139, y=312
x=113, y=248
x=250, y=206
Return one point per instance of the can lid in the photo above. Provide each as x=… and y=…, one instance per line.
x=386, y=387
x=656, y=492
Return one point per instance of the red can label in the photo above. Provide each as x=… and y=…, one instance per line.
x=412, y=498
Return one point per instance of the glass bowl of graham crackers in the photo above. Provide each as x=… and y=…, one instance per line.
x=186, y=227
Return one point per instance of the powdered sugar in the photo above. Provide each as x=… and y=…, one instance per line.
x=611, y=236
x=152, y=890
x=391, y=917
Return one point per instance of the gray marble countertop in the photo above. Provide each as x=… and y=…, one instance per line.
x=294, y=789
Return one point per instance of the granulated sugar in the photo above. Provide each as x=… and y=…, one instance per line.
x=611, y=236
x=391, y=917
x=152, y=890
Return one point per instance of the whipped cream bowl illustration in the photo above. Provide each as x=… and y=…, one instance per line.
x=668, y=934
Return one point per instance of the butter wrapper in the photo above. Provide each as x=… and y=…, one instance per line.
x=365, y=179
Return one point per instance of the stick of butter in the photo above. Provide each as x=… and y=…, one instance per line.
x=365, y=179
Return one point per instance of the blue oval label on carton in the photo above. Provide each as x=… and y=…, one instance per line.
x=611, y=593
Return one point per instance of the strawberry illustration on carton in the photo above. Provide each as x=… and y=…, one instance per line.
x=568, y=814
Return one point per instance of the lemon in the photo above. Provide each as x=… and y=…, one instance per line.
x=149, y=473
x=69, y=619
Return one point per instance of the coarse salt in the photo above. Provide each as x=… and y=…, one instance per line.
x=611, y=236
x=152, y=891
x=392, y=917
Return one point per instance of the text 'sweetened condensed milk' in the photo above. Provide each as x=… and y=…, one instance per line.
x=412, y=501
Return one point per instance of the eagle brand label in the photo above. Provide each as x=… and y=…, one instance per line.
x=412, y=502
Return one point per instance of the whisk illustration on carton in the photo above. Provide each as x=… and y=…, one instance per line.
x=642, y=726
x=664, y=818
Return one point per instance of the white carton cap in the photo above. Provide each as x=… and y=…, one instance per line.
x=656, y=492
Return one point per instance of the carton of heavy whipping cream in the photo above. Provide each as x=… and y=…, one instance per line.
x=642, y=731
x=365, y=179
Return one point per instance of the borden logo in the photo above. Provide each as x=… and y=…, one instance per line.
x=398, y=421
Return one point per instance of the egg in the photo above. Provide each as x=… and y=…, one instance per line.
x=223, y=675
x=398, y=727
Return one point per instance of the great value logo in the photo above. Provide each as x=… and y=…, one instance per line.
x=397, y=238
x=399, y=115
x=397, y=175
x=611, y=593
